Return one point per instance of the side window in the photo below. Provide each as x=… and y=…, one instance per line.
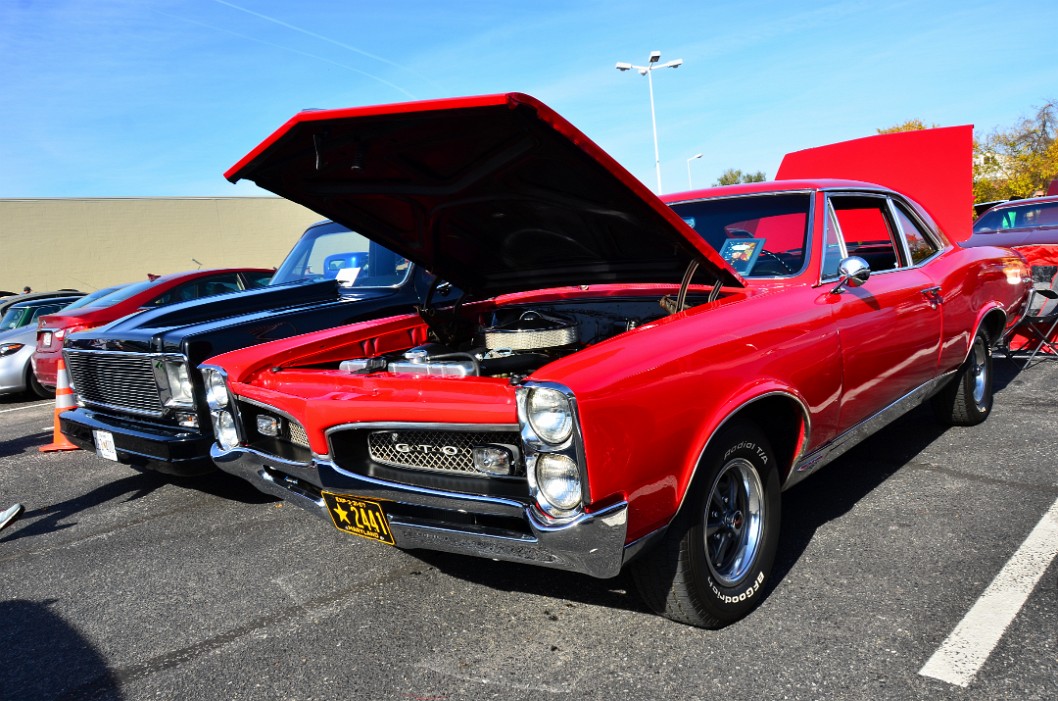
x=866, y=227
x=217, y=285
x=255, y=280
x=202, y=287
x=919, y=246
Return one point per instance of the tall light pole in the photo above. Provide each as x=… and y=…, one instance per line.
x=652, y=65
x=690, y=183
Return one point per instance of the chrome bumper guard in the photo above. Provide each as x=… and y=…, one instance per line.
x=591, y=544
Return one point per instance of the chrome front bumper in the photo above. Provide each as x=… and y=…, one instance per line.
x=592, y=544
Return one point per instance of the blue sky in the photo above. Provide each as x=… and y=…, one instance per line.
x=124, y=98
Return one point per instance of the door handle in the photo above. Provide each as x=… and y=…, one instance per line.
x=933, y=294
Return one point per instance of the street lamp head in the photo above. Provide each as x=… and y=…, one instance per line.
x=624, y=66
x=655, y=56
x=674, y=64
x=697, y=155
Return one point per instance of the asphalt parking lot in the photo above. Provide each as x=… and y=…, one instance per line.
x=118, y=584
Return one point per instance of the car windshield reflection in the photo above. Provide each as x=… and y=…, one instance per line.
x=758, y=236
x=330, y=251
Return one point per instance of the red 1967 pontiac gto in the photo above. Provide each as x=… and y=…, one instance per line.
x=624, y=380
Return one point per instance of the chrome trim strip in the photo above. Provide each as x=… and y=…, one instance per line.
x=829, y=452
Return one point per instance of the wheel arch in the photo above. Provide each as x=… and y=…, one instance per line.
x=780, y=415
x=993, y=322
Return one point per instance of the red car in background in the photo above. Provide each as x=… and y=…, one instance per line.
x=52, y=329
x=1030, y=227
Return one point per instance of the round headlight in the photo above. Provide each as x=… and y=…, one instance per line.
x=559, y=481
x=550, y=415
x=227, y=435
x=216, y=389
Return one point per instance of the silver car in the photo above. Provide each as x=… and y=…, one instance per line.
x=18, y=340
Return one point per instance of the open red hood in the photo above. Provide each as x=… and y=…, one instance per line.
x=495, y=194
x=934, y=167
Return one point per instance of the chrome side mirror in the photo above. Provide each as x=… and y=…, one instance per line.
x=854, y=271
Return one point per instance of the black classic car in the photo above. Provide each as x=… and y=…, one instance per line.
x=140, y=400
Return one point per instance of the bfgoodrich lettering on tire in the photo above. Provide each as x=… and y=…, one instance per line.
x=712, y=566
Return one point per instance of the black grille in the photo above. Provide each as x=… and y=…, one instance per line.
x=446, y=451
x=121, y=380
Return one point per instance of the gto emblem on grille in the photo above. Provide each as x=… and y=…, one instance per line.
x=425, y=448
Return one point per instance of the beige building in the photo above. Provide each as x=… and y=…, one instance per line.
x=95, y=242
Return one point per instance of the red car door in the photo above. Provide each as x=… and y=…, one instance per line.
x=889, y=330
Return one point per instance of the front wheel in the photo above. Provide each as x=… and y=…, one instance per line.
x=711, y=567
x=967, y=399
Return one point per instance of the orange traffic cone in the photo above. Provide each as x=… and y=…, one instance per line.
x=64, y=401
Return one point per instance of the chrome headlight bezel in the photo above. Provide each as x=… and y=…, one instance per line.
x=180, y=393
x=221, y=407
x=217, y=395
x=555, y=465
x=550, y=414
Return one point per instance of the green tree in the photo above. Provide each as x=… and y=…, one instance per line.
x=909, y=125
x=1020, y=161
x=733, y=176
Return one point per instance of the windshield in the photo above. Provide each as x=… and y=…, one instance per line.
x=759, y=235
x=330, y=251
x=1027, y=216
x=14, y=318
x=19, y=316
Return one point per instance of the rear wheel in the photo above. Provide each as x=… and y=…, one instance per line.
x=712, y=565
x=967, y=399
x=35, y=387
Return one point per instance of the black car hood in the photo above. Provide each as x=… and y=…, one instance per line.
x=228, y=305
x=495, y=194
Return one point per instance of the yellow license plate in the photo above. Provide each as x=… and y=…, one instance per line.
x=362, y=517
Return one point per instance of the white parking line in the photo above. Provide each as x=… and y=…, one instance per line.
x=47, y=402
x=962, y=654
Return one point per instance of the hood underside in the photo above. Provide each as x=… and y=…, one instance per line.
x=495, y=194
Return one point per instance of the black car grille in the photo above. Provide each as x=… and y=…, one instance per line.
x=119, y=380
